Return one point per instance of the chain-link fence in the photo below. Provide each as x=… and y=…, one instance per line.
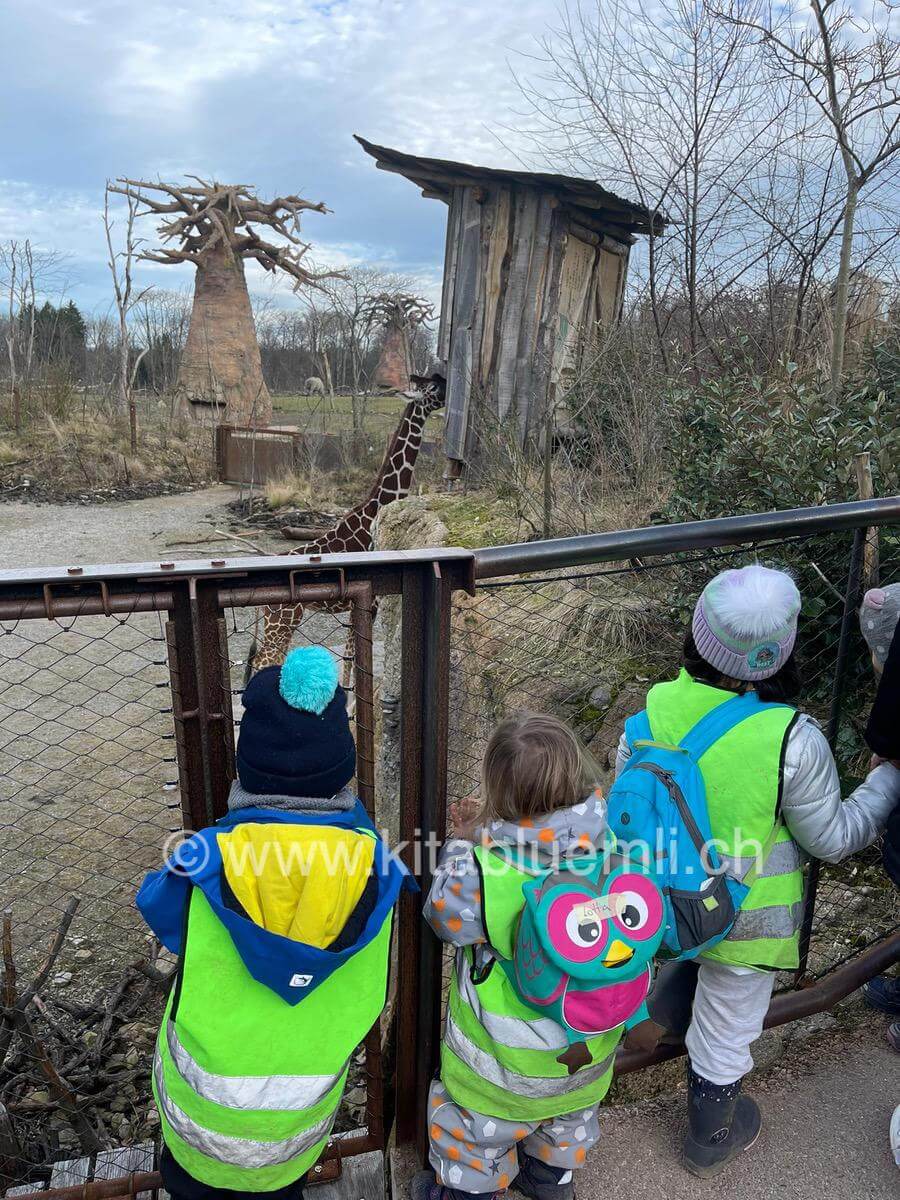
x=98, y=779
x=88, y=797
x=587, y=644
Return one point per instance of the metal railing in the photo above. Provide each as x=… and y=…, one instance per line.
x=119, y=698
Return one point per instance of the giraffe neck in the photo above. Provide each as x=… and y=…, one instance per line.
x=354, y=531
x=395, y=477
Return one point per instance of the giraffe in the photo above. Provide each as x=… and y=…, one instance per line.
x=354, y=531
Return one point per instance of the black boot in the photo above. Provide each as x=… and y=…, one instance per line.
x=540, y=1181
x=424, y=1186
x=721, y=1122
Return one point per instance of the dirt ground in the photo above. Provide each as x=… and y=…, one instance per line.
x=45, y=535
x=825, y=1111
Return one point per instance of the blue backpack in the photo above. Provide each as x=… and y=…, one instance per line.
x=658, y=805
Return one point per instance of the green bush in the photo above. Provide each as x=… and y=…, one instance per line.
x=745, y=443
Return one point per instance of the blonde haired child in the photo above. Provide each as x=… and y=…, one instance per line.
x=511, y=1102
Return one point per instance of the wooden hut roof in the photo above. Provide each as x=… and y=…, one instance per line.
x=593, y=206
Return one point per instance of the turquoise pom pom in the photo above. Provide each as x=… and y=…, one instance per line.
x=309, y=679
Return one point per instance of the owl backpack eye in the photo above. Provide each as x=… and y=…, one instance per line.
x=582, y=933
x=577, y=935
x=634, y=912
x=639, y=910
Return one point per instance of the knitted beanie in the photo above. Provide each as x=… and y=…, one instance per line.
x=295, y=735
x=745, y=622
x=878, y=619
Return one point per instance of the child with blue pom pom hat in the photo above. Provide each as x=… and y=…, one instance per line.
x=295, y=734
x=281, y=917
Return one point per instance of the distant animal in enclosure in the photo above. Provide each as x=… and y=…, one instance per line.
x=314, y=386
x=353, y=532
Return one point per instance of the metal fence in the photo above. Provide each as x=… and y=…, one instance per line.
x=587, y=643
x=121, y=694
x=119, y=698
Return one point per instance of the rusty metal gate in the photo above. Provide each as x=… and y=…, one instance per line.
x=121, y=696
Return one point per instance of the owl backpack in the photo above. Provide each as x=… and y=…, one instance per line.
x=657, y=809
x=584, y=944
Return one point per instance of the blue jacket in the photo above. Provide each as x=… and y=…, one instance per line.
x=269, y=957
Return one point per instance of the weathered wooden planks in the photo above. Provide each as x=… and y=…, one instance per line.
x=522, y=294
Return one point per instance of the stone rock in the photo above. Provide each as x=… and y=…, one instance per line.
x=62, y=979
x=768, y=1050
x=812, y=1026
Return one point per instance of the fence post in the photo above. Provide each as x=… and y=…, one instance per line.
x=851, y=601
x=424, y=731
x=201, y=697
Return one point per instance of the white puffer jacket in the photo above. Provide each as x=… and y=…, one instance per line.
x=823, y=824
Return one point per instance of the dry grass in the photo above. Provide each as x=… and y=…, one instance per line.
x=90, y=455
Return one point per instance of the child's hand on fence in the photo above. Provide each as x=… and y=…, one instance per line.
x=463, y=820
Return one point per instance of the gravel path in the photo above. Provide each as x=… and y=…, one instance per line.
x=825, y=1135
x=46, y=535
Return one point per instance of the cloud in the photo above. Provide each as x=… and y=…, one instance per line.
x=258, y=91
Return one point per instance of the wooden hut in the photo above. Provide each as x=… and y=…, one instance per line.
x=533, y=264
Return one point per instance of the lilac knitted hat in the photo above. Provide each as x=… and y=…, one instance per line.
x=745, y=622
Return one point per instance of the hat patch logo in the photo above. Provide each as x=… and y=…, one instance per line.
x=763, y=656
x=299, y=981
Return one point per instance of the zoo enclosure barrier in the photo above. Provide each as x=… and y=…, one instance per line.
x=121, y=693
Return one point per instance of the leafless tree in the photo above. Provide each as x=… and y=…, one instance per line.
x=24, y=272
x=848, y=65
x=121, y=266
x=661, y=103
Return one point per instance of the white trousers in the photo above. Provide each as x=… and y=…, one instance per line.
x=730, y=1005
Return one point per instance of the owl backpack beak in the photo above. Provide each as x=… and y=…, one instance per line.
x=618, y=954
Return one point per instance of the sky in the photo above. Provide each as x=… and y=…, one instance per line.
x=263, y=92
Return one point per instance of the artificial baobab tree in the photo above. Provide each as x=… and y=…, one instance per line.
x=398, y=314
x=215, y=227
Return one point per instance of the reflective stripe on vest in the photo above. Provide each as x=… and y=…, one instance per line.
x=529, y=1086
x=280, y=1093
x=235, y=1151
x=784, y=858
x=774, y=921
x=540, y=1033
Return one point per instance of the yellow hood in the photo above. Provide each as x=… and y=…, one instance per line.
x=299, y=881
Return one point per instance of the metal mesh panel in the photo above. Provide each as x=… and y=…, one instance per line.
x=87, y=800
x=587, y=644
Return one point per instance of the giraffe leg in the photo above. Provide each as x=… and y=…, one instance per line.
x=278, y=629
x=348, y=672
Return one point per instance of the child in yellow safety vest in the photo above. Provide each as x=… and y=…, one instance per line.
x=773, y=769
x=281, y=916
x=514, y=1101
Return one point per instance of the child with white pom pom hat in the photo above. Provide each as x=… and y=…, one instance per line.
x=774, y=768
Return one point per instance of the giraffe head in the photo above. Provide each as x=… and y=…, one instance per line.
x=429, y=390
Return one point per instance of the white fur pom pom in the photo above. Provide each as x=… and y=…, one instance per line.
x=755, y=601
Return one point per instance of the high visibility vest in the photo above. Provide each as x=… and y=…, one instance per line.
x=497, y=1056
x=247, y=1086
x=743, y=777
